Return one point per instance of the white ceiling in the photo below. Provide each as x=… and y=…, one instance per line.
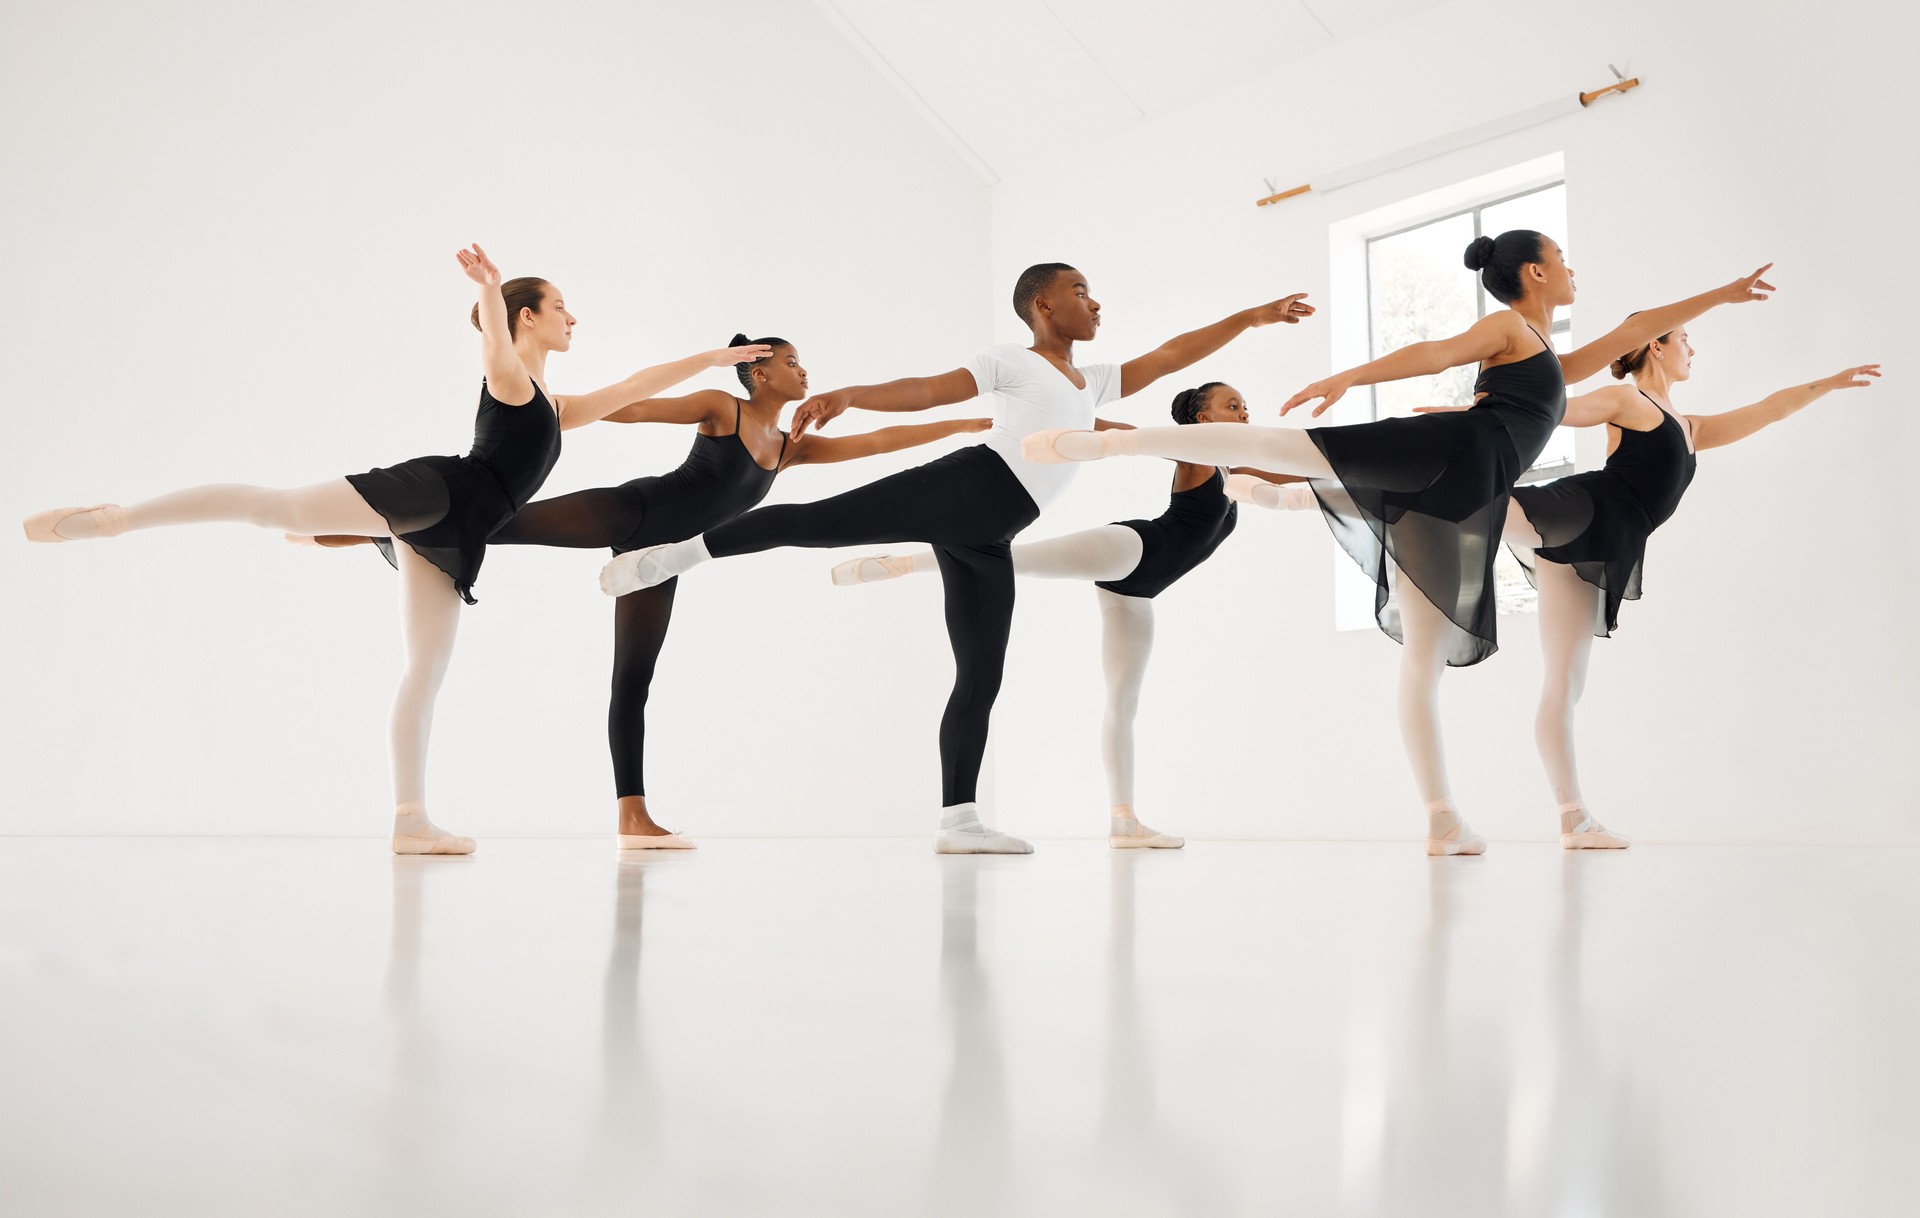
x=980, y=71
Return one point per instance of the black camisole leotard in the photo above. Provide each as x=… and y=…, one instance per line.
x=1428, y=494
x=446, y=508
x=1179, y=539
x=1598, y=522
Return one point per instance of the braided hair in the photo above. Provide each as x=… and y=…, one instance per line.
x=1188, y=403
x=745, y=370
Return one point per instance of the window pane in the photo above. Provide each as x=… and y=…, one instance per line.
x=1417, y=291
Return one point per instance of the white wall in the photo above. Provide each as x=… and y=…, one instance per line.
x=228, y=234
x=1762, y=690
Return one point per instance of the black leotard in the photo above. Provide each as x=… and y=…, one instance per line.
x=1598, y=522
x=445, y=508
x=1179, y=539
x=1429, y=493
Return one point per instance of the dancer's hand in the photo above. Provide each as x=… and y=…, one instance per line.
x=818, y=410
x=1440, y=409
x=479, y=267
x=984, y=424
x=1751, y=287
x=1331, y=389
x=1852, y=378
x=728, y=356
x=1289, y=309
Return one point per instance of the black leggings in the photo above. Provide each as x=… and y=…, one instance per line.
x=610, y=518
x=968, y=506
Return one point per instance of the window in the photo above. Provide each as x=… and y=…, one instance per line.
x=1417, y=290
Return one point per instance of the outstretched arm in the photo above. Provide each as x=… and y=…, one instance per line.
x=1587, y=410
x=507, y=378
x=1645, y=326
x=1728, y=427
x=1481, y=341
x=823, y=450
x=908, y=393
x=580, y=409
x=1195, y=345
x=708, y=405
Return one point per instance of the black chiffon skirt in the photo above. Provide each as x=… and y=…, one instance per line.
x=1593, y=523
x=445, y=508
x=1428, y=494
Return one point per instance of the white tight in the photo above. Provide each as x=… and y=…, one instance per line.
x=326, y=507
x=429, y=606
x=1278, y=450
x=1109, y=552
x=1126, y=642
x=1569, y=607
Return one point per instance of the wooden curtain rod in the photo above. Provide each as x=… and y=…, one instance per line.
x=1450, y=143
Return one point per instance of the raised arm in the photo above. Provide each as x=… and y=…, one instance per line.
x=1490, y=336
x=507, y=378
x=1648, y=324
x=708, y=405
x=1195, y=345
x=580, y=409
x=824, y=450
x=908, y=393
x=1728, y=427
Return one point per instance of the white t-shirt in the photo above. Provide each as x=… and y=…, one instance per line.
x=1030, y=394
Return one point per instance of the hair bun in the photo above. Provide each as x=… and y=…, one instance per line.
x=1480, y=253
x=739, y=340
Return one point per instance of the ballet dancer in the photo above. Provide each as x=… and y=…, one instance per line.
x=968, y=505
x=1582, y=539
x=1429, y=493
x=1131, y=562
x=444, y=508
x=737, y=451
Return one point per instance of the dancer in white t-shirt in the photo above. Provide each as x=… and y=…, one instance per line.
x=969, y=504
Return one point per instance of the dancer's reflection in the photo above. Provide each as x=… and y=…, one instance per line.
x=1435, y=1141
x=973, y=1147
x=417, y=1138
x=1592, y=1156
x=626, y=1149
x=1147, y=1169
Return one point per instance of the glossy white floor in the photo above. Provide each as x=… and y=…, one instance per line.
x=211, y=1026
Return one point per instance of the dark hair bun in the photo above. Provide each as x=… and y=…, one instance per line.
x=739, y=340
x=1480, y=253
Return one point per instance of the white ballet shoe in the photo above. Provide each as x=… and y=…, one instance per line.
x=978, y=841
x=1125, y=833
x=634, y=570
x=1590, y=834
x=870, y=570
x=655, y=841
x=44, y=526
x=1058, y=445
x=1459, y=839
x=1240, y=487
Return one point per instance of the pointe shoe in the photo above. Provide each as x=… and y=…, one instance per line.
x=444, y=843
x=978, y=841
x=655, y=841
x=1058, y=445
x=634, y=570
x=1590, y=834
x=43, y=526
x=870, y=570
x=1458, y=840
x=1133, y=835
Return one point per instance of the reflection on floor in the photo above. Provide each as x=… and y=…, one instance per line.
x=207, y=1026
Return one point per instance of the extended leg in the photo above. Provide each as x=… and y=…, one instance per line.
x=1109, y=552
x=429, y=620
x=1279, y=450
x=1126, y=643
x=326, y=507
x=585, y=520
